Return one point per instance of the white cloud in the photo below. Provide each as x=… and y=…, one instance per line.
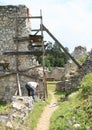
x=69, y=20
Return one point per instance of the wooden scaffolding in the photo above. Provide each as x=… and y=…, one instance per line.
x=35, y=41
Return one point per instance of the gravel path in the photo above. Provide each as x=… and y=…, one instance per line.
x=44, y=121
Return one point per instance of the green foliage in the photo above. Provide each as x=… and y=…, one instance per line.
x=5, y=108
x=82, y=59
x=61, y=117
x=86, y=86
x=71, y=112
x=54, y=56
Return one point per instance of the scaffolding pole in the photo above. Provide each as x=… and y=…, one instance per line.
x=44, y=77
x=17, y=74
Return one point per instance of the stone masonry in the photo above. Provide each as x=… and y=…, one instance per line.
x=14, y=24
x=71, y=83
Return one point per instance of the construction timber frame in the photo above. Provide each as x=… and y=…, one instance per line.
x=59, y=44
x=34, y=38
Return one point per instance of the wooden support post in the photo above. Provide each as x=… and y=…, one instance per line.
x=19, y=88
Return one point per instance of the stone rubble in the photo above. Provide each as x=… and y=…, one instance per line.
x=20, y=108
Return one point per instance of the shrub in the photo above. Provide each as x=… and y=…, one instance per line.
x=86, y=85
x=82, y=59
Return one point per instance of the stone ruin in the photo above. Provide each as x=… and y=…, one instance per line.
x=72, y=78
x=16, y=68
x=79, y=51
x=17, y=63
x=20, y=108
x=56, y=73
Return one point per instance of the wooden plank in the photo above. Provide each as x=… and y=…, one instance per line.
x=30, y=68
x=19, y=88
x=35, y=53
x=35, y=38
x=8, y=74
x=20, y=39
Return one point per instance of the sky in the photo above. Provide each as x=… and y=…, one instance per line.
x=70, y=21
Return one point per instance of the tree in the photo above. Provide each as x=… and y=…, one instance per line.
x=55, y=57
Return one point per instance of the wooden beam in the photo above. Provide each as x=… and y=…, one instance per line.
x=35, y=38
x=5, y=75
x=30, y=76
x=30, y=68
x=20, y=39
x=61, y=46
x=32, y=17
x=35, y=53
x=19, y=88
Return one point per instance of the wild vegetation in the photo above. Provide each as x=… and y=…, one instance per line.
x=76, y=111
x=82, y=59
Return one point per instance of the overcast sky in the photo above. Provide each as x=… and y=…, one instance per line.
x=69, y=20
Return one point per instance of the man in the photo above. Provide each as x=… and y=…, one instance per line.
x=32, y=88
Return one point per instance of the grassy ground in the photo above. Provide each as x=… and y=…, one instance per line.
x=74, y=113
x=32, y=119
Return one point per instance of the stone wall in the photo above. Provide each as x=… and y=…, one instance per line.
x=71, y=83
x=56, y=73
x=12, y=26
x=79, y=51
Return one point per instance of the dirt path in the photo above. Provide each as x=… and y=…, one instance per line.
x=44, y=121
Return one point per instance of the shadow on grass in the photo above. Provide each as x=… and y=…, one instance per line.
x=59, y=93
x=63, y=96
x=3, y=103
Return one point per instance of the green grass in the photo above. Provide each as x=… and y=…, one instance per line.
x=76, y=110
x=51, y=87
x=73, y=111
x=86, y=86
x=5, y=108
x=63, y=115
x=32, y=119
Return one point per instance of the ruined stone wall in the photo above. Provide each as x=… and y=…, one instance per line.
x=76, y=77
x=56, y=73
x=79, y=51
x=9, y=23
x=11, y=26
